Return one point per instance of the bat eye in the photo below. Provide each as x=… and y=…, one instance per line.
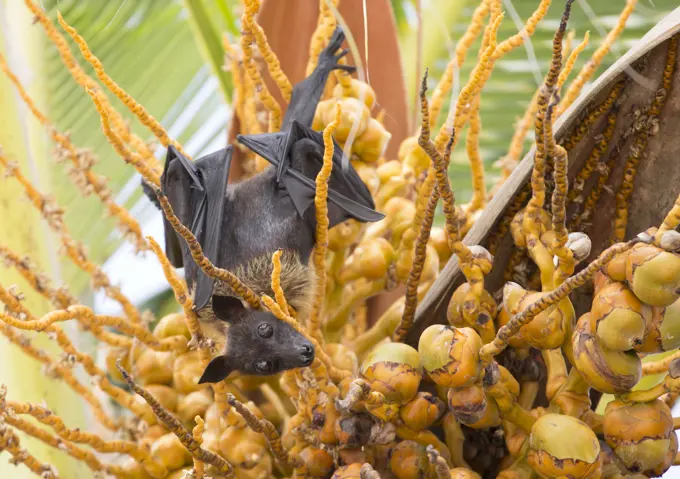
x=263, y=366
x=265, y=330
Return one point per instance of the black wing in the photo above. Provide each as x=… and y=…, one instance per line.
x=214, y=170
x=185, y=191
x=307, y=93
x=303, y=147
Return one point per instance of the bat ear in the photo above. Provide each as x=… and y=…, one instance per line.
x=216, y=371
x=227, y=308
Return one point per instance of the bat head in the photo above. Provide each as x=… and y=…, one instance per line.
x=258, y=343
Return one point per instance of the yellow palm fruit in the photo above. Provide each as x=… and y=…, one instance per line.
x=344, y=235
x=261, y=470
x=517, y=227
x=454, y=313
x=194, y=404
x=616, y=268
x=563, y=446
x=503, y=318
x=473, y=407
x=422, y=411
x=450, y=355
x=318, y=464
x=547, y=330
x=154, y=367
x=439, y=240
x=607, y=370
x=342, y=357
x=669, y=460
x=639, y=434
x=348, y=472
x=654, y=275
x=134, y=470
x=372, y=143
x=368, y=174
x=394, y=370
x=112, y=357
x=619, y=317
x=174, y=324
x=187, y=370
x=353, y=111
x=152, y=433
x=319, y=122
x=169, y=451
x=399, y=213
x=413, y=157
x=165, y=395
x=663, y=329
x=358, y=89
x=409, y=460
x=371, y=260
x=389, y=170
x=242, y=447
x=463, y=473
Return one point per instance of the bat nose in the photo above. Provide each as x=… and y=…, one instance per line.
x=306, y=353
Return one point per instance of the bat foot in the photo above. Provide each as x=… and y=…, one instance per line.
x=328, y=56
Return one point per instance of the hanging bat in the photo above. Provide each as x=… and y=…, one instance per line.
x=241, y=227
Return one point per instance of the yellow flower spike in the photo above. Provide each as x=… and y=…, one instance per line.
x=58, y=370
x=566, y=262
x=476, y=164
x=197, y=254
x=589, y=69
x=443, y=183
x=47, y=417
x=84, y=178
x=321, y=211
x=509, y=330
x=640, y=145
x=413, y=281
x=276, y=282
x=443, y=88
x=179, y=288
x=569, y=64
x=117, y=394
x=480, y=73
x=253, y=74
x=10, y=442
x=39, y=281
x=531, y=215
x=253, y=7
x=117, y=142
x=324, y=30
x=87, y=83
x=527, y=31
x=72, y=450
x=87, y=317
x=53, y=215
x=173, y=424
x=268, y=430
x=138, y=110
x=197, y=434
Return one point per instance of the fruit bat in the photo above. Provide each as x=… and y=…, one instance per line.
x=240, y=227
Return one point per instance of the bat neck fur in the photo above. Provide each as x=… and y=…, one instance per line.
x=298, y=280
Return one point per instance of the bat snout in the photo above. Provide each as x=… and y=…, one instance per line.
x=306, y=352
